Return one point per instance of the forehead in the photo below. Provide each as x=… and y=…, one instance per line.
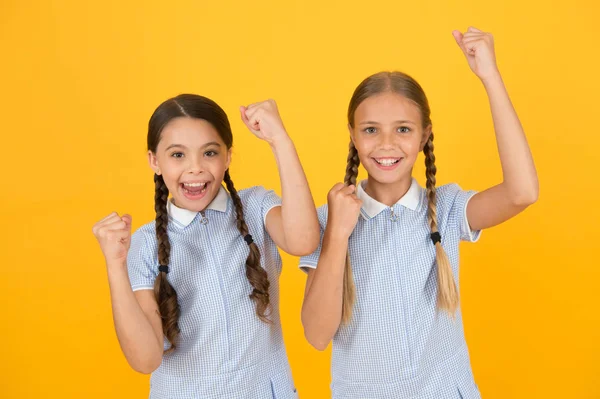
x=387, y=108
x=190, y=132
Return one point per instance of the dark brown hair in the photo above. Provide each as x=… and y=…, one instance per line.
x=404, y=85
x=194, y=106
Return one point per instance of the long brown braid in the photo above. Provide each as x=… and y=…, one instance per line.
x=165, y=294
x=447, y=298
x=404, y=85
x=349, y=290
x=195, y=106
x=257, y=276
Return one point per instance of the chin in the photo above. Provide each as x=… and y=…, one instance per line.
x=192, y=205
x=382, y=177
x=386, y=180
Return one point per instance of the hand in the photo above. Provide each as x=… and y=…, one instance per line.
x=264, y=121
x=114, y=235
x=343, y=209
x=478, y=48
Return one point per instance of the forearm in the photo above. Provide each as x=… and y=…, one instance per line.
x=298, y=214
x=520, y=180
x=139, y=342
x=322, y=307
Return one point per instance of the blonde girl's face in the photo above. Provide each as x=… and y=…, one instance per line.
x=192, y=159
x=388, y=136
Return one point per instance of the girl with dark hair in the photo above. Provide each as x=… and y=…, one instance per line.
x=195, y=294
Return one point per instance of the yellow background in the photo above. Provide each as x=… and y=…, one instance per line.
x=78, y=82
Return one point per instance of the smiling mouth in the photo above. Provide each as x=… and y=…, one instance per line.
x=194, y=189
x=387, y=161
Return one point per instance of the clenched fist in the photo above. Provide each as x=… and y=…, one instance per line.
x=478, y=48
x=343, y=209
x=264, y=121
x=114, y=235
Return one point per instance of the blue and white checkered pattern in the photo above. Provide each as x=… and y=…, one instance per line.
x=225, y=351
x=397, y=345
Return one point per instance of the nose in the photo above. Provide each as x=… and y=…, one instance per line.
x=196, y=166
x=386, y=140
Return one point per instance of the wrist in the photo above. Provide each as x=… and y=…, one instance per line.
x=492, y=79
x=281, y=142
x=116, y=268
x=337, y=235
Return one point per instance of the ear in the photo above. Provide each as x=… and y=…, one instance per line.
x=228, y=162
x=153, y=162
x=425, y=138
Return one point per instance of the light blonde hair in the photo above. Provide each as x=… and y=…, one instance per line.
x=404, y=85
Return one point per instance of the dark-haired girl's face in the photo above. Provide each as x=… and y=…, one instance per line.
x=388, y=136
x=192, y=159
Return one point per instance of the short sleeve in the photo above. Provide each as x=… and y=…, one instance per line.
x=310, y=261
x=458, y=212
x=141, y=266
x=269, y=201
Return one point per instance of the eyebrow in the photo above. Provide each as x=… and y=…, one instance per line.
x=377, y=123
x=182, y=146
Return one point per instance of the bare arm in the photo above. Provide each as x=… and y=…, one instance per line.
x=519, y=187
x=137, y=322
x=322, y=307
x=293, y=226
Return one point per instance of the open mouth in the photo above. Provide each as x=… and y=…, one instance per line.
x=194, y=190
x=387, y=163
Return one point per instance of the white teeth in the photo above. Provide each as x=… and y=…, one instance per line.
x=387, y=161
x=194, y=184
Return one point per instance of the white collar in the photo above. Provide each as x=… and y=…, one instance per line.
x=185, y=216
x=371, y=207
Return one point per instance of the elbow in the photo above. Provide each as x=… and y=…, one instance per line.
x=144, y=370
x=319, y=343
x=313, y=240
x=304, y=246
x=526, y=198
x=315, y=337
x=524, y=194
x=146, y=366
x=320, y=346
x=302, y=241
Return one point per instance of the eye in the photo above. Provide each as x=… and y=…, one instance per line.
x=403, y=129
x=370, y=130
x=177, y=155
x=210, y=153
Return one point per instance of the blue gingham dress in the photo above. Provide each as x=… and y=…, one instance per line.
x=397, y=344
x=224, y=351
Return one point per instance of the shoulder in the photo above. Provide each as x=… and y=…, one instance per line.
x=143, y=247
x=144, y=237
x=254, y=194
x=258, y=201
x=450, y=198
x=447, y=193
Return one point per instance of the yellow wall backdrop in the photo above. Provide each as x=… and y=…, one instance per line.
x=79, y=80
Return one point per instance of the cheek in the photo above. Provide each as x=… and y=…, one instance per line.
x=218, y=165
x=171, y=170
x=411, y=146
x=363, y=155
x=364, y=147
x=171, y=180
